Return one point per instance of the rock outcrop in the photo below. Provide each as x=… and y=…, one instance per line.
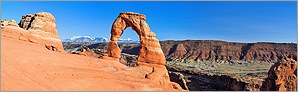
x=179, y=78
x=282, y=76
x=129, y=60
x=150, y=53
x=8, y=23
x=37, y=28
x=85, y=51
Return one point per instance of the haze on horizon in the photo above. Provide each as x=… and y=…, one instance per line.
x=227, y=21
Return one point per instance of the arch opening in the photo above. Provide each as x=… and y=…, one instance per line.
x=129, y=48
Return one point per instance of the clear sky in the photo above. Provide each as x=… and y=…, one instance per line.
x=228, y=21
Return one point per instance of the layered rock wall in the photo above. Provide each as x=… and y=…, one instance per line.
x=201, y=50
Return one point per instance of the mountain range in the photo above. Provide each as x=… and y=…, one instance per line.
x=96, y=39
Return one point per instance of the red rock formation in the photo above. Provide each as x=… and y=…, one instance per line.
x=150, y=51
x=37, y=28
x=150, y=54
x=282, y=76
x=223, y=51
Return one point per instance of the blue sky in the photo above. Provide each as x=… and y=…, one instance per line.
x=228, y=21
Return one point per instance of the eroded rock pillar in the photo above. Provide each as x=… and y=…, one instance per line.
x=118, y=27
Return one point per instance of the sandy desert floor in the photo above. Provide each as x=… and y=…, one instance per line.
x=29, y=66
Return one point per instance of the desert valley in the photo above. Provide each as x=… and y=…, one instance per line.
x=33, y=57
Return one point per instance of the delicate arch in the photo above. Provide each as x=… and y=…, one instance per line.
x=150, y=50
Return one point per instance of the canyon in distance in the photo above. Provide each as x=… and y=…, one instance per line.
x=33, y=58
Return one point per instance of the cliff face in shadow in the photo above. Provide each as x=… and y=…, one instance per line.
x=205, y=82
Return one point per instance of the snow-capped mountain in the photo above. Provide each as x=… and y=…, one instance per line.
x=85, y=39
x=96, y=39
x=128, y=40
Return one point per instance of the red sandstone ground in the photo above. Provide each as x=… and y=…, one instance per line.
x=30, y=66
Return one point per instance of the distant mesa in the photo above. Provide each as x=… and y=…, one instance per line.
x=37, y=28
x=221, y=51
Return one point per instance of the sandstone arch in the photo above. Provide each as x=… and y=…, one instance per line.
x=150, y=50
